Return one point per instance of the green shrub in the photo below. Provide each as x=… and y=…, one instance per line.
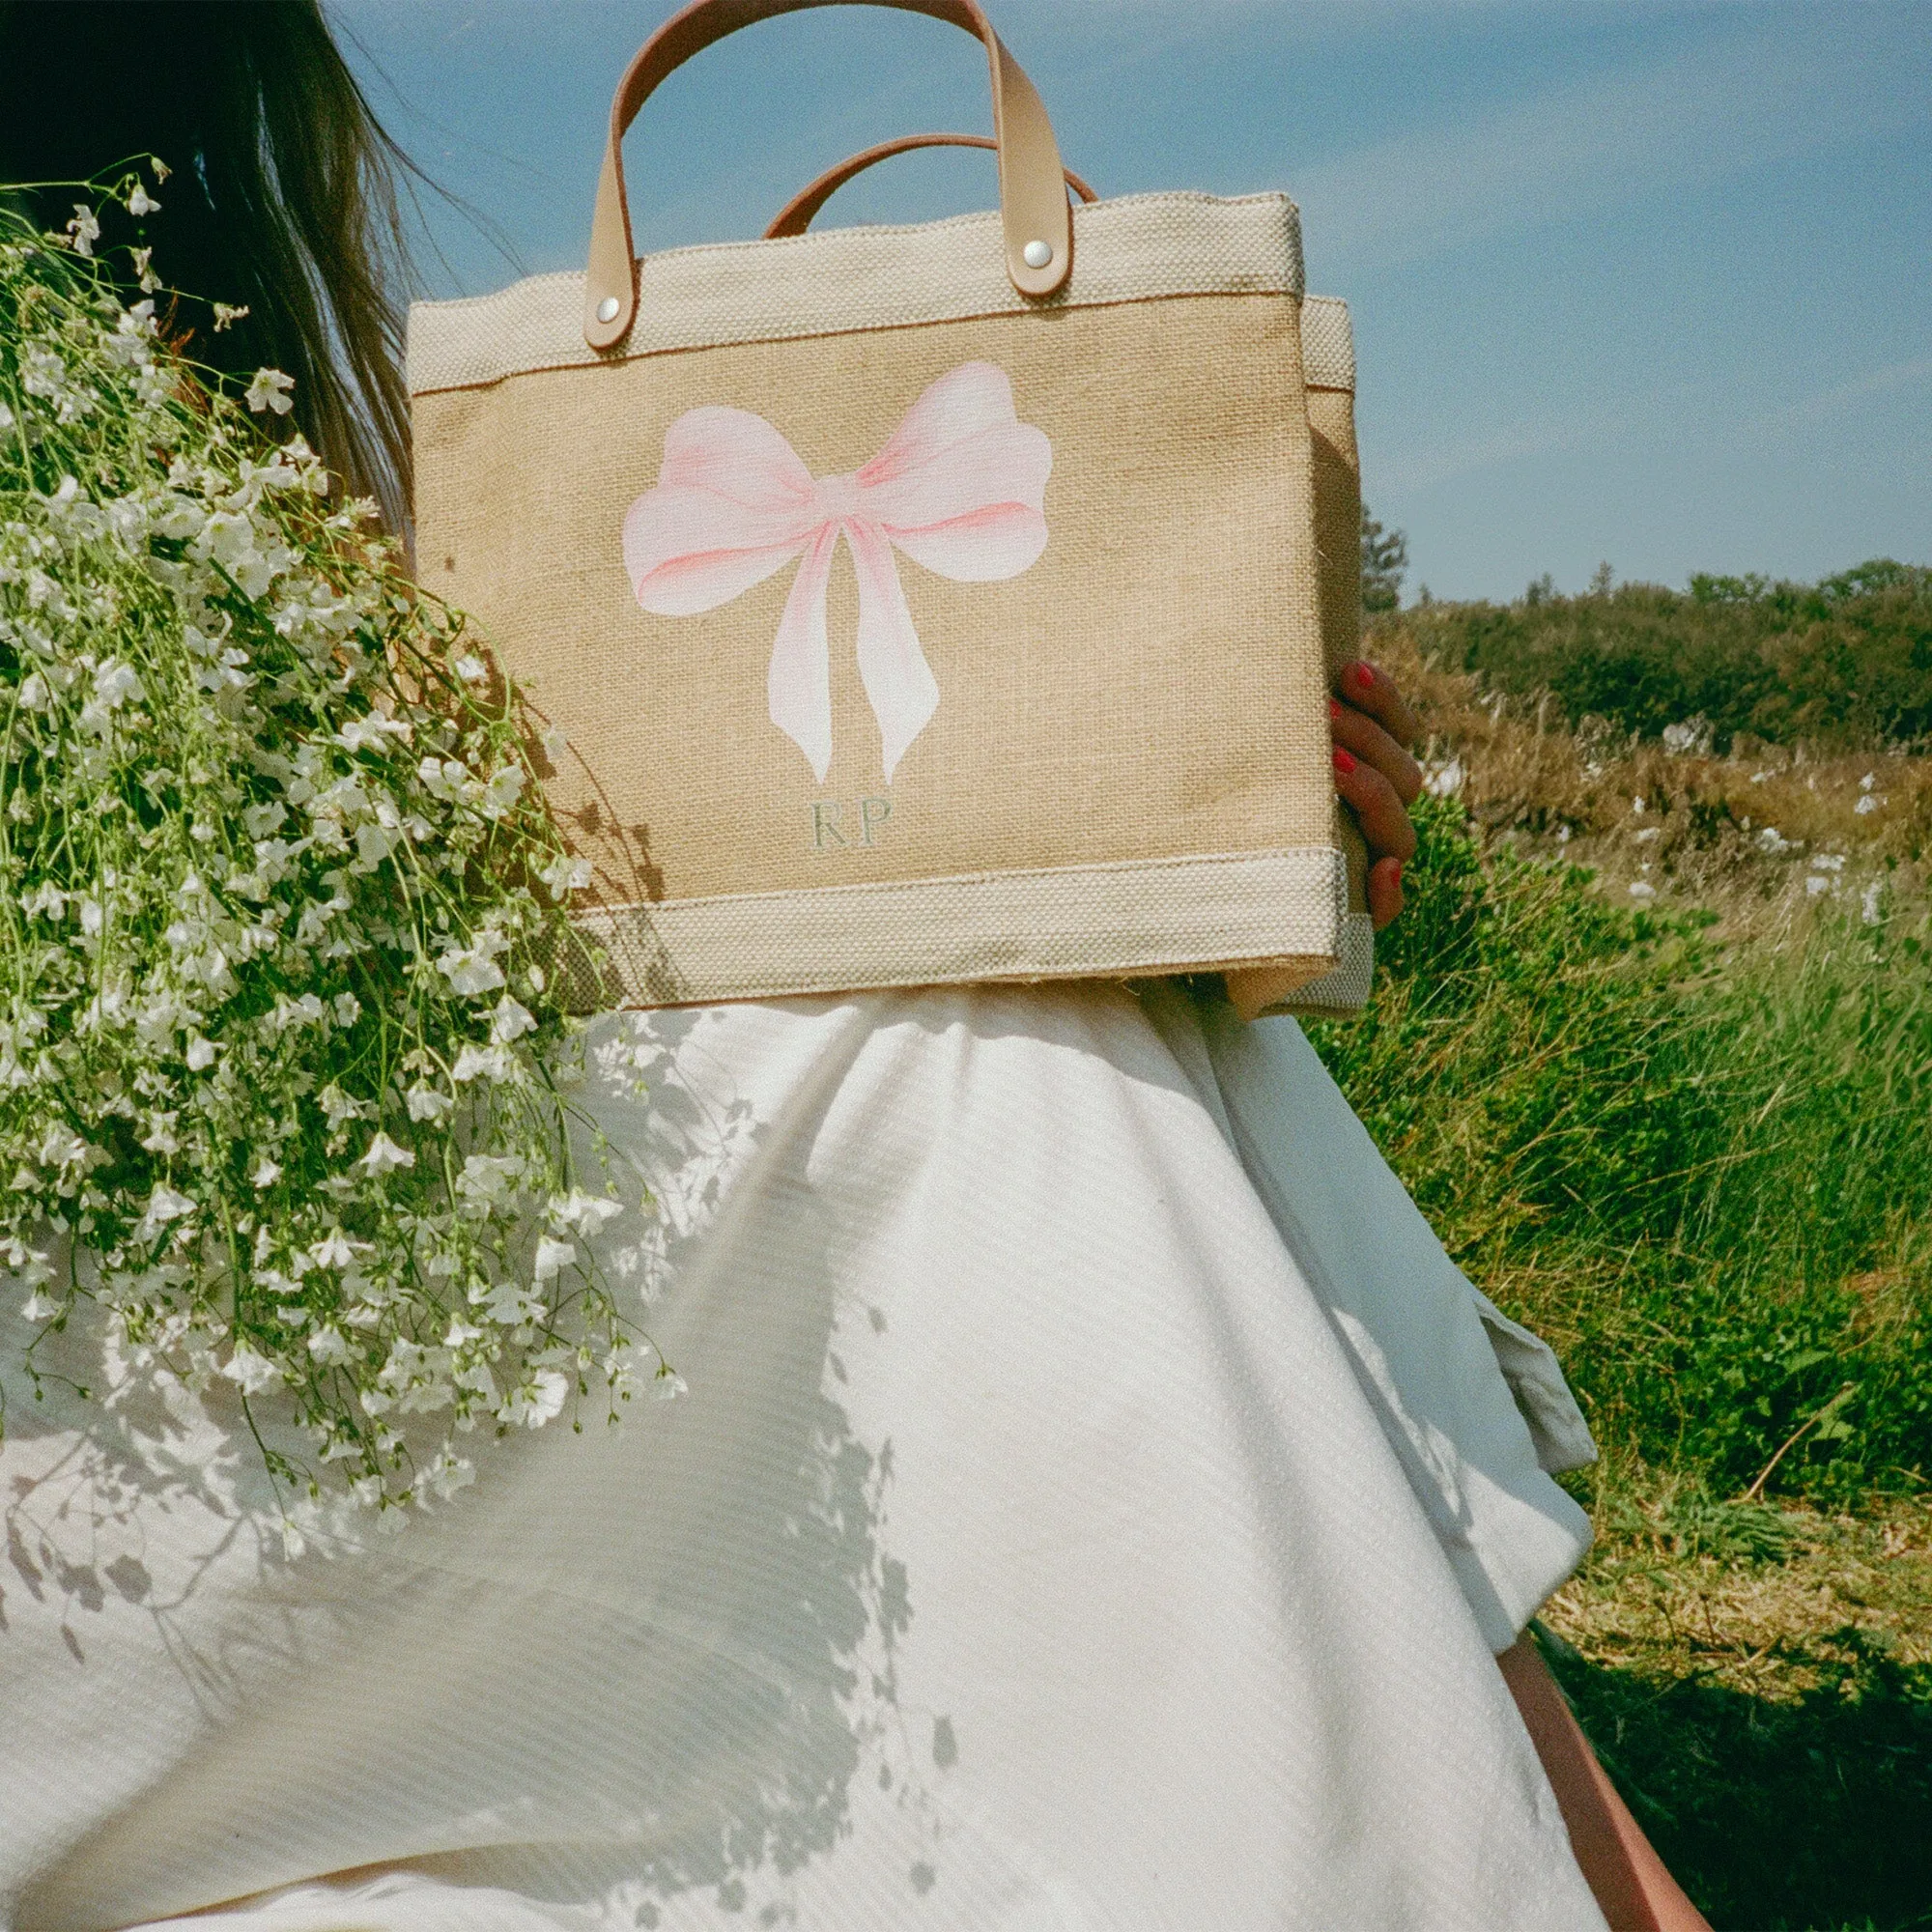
x=1848, y=657
x=1701, y=1170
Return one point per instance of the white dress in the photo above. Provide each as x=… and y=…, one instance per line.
x=1096, y=1504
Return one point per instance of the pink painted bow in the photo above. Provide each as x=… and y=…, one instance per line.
x=958, y=486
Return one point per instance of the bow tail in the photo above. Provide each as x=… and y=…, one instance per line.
x=898, y=681
x=799, y=682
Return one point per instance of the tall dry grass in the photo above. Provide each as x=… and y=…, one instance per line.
x=1684, y=1131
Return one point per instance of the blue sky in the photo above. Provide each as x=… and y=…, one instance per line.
x=1643, y=283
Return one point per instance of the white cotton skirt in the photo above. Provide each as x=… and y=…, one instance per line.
x=1096, y=1504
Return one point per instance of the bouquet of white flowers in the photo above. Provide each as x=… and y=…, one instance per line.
x=281, y=1060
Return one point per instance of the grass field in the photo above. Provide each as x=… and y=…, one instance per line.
x=1653, y=1048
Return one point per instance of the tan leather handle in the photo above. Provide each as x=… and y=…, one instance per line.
x=796, y=215
x=1032, y=201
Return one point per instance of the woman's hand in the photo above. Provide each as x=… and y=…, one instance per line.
x=1377, y=778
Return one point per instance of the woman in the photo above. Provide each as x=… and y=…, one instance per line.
x=1098, y=1502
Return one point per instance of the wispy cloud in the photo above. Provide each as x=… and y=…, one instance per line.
x=1893, y=378
x=1661, y=418
x=1739, y=101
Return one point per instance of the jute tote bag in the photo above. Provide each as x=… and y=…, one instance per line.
x=919, y=605
x=1329, y=371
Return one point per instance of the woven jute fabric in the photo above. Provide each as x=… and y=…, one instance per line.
x=1142, y=702
x=1328, y=358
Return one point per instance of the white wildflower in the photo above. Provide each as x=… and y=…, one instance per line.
x=252, y=1370
x=538, y=1401
x=1817, y=883
x=479, y=1383
x=471, y=668
x=165, y=1205
x=61, y=1146
x=269, y=390
x=1869, y=802
x=505, y=787
x=150, y=282
x=473, y=969
x=555, y=743
x=583, y=1214
x=330, y=1346
x=425, y=1103
x=267, y=1172
x=373, y=843
x=226, y=316
x=116, y=682
x=43, y=373
x=1867, y=782
x=553, y=1257
x=483, y=1063
x=1869, y=902
x=510, y=1020
x=84, y=229
x=565, y=875
x=1642, y=889
x=141, y=202
x=385, y=1156
x=488, y=1180
x=333, y=1251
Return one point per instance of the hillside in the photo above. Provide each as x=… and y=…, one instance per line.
x=1652, y=1045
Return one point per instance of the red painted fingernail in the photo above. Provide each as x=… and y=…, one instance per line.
x=1344, y=763
x=1335, y=708
x=1364, y=676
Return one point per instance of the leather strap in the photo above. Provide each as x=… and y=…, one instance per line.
x=796, y=215
x=1032, y=199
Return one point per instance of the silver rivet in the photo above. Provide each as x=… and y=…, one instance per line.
x=1036, y=254
x=607, y=309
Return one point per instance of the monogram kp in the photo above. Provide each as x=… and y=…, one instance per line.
x=847, y=822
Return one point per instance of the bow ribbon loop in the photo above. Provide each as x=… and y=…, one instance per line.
x=960, y=486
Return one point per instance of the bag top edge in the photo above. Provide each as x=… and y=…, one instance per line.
x=820, y=237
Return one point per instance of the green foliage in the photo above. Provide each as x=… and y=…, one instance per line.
x=1847, y=658
x=1384, y=562
x=1703, y=1172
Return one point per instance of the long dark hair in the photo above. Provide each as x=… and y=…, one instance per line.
x=282, y=197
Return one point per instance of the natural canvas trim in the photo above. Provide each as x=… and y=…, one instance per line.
x=1344, y=990
x=1135, y=249
x=1147, y=916
x=1328, y=344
